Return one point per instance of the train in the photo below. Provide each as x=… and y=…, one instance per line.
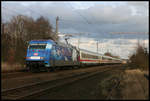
x=48, y=55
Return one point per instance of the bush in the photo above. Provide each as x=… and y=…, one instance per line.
x=140, y=59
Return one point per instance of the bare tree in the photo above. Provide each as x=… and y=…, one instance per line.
x=19, y=31
x=140, y=59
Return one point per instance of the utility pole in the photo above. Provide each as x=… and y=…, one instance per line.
x=56, y=32
x=97, y=46
x=78, y=42
x=79, y=38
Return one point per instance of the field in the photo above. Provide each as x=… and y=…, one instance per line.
x=5, y=67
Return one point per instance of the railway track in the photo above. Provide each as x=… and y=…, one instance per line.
x=26, y=73
x=35, y=89
x=14, y=75
x=117, y=82
x=23, y=74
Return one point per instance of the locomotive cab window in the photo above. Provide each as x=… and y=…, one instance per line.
x=36, y=46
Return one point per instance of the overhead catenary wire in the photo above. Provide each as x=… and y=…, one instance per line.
x=80, y=15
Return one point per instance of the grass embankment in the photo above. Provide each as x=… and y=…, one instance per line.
x=6, y=67
x=132, y=85
x=136, y=85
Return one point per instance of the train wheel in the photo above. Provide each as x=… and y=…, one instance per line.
x=76, y=67
x=34, y=69
x=61, y=68
x=48, y=69
x=52, y=68
x=28, y=68
x=69, y=67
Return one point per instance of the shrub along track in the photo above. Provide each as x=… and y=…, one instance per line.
x=35, y=88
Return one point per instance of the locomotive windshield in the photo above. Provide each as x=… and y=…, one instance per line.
x=40, y=46
x=37, y=46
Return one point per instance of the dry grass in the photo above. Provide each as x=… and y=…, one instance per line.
x=138, y=71
x=134, y=71
x=136, y=85
x=5, y=67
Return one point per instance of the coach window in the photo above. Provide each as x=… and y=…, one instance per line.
x=86, y=55
x=92, y=56
x=82, y=55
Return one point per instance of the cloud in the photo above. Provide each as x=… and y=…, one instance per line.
x=96, y=18
x=102, y=16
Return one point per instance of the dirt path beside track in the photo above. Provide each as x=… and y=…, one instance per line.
x=136, y=85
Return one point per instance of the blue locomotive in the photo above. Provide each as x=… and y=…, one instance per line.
x=47, y=55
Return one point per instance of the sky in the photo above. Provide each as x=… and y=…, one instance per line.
x=96, y=21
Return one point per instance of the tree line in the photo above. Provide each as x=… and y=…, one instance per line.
x=140, y=59
x=16, y=34
x=111, y=55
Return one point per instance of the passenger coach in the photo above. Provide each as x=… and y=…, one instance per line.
x=93, y=58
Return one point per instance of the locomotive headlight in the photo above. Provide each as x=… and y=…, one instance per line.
x=28, y=57
x=41, y=57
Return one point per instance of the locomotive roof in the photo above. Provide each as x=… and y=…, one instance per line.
x=54, y=42
x=41, y=41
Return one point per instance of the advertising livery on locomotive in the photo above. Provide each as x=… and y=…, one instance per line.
x=47, y=54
